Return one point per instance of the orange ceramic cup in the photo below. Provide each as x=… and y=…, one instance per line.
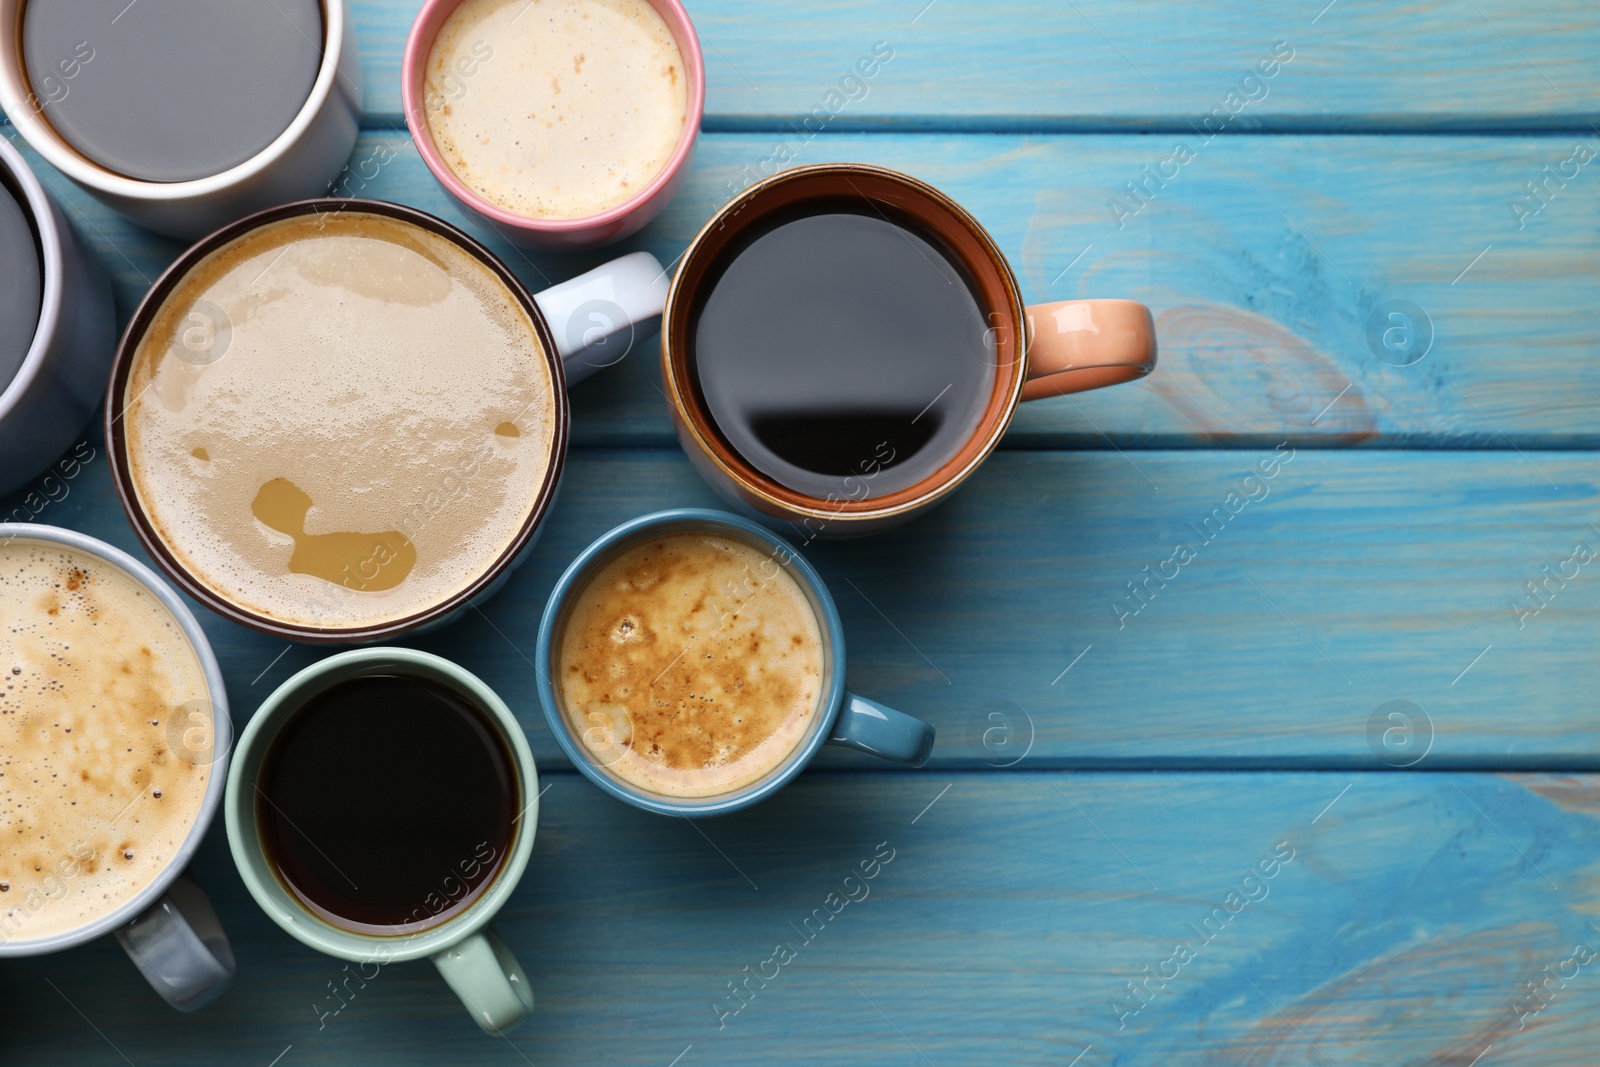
x=1040, y=350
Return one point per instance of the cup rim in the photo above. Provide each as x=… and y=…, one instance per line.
x=56, y=150
x=413, y=68
x=52, y=268
x=297, y=920
x=117, y=444
x=642, y=528
x=221, y=734
x=769, y=495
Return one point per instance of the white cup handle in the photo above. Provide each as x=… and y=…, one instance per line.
x=179, y=946
x=597, y=317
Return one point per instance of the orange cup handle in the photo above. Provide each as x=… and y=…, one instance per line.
x=1074, y=345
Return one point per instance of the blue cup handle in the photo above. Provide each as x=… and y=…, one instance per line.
x=871, y=727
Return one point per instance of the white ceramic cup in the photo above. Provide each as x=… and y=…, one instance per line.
x=169, y=928
x=55, y=391
x=303, y=161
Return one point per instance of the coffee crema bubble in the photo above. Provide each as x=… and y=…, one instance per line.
x=105, y=738
x=691, y=665
x=582, y=104
x=339, y=421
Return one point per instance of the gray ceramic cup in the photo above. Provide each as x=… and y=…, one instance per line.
x=61, y=381
x=169, y=928
x=304, y=160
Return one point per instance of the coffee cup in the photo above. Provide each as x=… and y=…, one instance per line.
x=415, y=866
x=113, y=689
x=567, y=130
x=691, y=662
x=844, y=345
x=57, y=329
x=338, y=421
x=185, y=116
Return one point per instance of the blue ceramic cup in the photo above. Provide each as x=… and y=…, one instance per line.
x=843, y=718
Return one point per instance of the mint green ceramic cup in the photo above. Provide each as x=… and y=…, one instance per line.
x=472, y=959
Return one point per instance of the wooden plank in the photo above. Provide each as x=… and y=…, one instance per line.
x=1098, y=64
x=1010, y=915
x=1265, y=261
x=1262, y=677
x=1352, y=580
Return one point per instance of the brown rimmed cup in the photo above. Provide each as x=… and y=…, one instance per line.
x=1039, y=350
x=582, y=325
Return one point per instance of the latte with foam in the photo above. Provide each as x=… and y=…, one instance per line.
x=580, y=105
x=339, y=421
x=105, y=738
x=691, y=665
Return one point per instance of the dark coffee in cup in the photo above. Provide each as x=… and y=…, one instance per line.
x=21, y=285
x=171, y=90
x=843, y=345
x=408, y=834
x=836, y=341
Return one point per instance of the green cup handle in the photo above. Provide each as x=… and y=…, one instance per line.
x=489, y=981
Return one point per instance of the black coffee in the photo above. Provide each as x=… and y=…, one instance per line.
x=842, y=353
x=171, y=90
x=386, y=804
x=21, y=282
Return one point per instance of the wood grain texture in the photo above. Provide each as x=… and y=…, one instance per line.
x=1104, y=776
x=1098, y=64
x=1264, y=262
x=1005, y=928
x=1355, y=579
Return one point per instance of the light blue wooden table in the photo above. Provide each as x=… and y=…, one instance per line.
x=1104, y=779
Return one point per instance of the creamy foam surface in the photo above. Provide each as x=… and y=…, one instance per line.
x=339, y=421
x=105, y=738
x=580, y=106
x=691, y=665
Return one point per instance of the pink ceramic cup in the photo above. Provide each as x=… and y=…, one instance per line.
x=555, y=234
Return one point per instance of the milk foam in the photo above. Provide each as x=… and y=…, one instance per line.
x=105, y=738
x=691, y=665
x=371, y=371
x=580, y=105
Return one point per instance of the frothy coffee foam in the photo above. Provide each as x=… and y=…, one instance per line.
x=691, y=665
x=105, y=738
x=581, y=104
x=339, y=421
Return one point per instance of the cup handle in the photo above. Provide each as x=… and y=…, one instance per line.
x=596, y=317
x=1074, y=345
x=871, y=727
x=489, y=981
x=179, y=946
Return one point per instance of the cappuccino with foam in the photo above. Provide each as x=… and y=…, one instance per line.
x=105, y=738
x=691, y=665
x=582, y=104
x=339, y=421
